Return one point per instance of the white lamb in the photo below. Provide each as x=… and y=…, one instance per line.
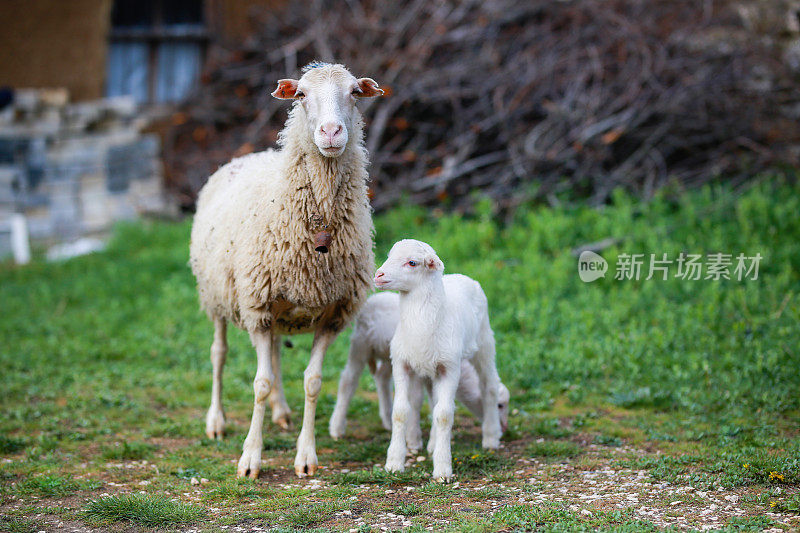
x=282, y=244
x=369, y=346
x=443, y=321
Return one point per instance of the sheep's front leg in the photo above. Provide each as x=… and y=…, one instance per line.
x=444, y=387
x=383, y=385
x=305, y=462
x=215, y=419
x=250, y=462
x=396, y=455
x=347, y=386
x=277, y=400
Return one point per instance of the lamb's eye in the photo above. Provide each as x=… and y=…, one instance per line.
x=500, y=405
x=356, y=91
x=412, y=263
x=299, y=94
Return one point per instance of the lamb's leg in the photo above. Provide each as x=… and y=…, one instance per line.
x=215, y=419
x=432, y=405
x=396, y=455
x=490, y=383
x=347, y=386
x=305, y=462
x=413, y=430
x=383, y=385
x=469, y=390
x=277, y=400
x=444, y=386
x=250, y=462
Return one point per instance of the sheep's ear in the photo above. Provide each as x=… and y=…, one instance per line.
x=286, y=89
x=432, y=262
x=369, y=88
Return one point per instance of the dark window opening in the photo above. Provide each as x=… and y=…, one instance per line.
x=156, y=49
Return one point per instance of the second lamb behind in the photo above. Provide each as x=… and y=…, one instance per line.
x=444, y=320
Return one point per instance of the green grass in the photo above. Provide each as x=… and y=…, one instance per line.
x=408, y=509
x=52, y=485
x=307, y=515
x=561, y=449
x=129, y=451
x=105, y=368
x=146, y=509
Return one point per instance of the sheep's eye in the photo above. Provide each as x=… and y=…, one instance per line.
x=412, y=263
x=356, y=91
x=299, y=94
x=500, y=405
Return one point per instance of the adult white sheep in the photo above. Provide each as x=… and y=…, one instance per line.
x=443, y=321
x=263, y=222
x=369, y=346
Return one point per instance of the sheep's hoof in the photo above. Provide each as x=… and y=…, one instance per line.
x=249, y=464
x=215, y=423
x=213, y=434
x=284, y=422
x=305, y=470
x=252, y=473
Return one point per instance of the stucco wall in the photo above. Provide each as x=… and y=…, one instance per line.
x=55, y=43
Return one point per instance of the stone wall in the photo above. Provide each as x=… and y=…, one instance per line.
x=75, y=169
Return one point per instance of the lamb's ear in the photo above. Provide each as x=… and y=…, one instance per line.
x=286, y=89
x=369, y=88
x=432, y=262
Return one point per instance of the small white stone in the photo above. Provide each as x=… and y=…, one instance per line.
x=194, y=481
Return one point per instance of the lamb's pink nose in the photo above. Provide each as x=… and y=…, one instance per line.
x=331, y=130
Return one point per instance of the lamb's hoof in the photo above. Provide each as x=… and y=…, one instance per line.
x=305, y=470
x=394, y=466
x=284, y=422
x=443, y=477
x=491, y=443
x=249, y=465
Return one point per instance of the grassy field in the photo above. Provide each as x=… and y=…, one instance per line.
x=637, y=405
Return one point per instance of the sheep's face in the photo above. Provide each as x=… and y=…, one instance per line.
x=410, y=263
x=503, y=397
x=328, y=94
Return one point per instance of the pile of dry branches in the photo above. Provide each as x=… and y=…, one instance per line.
x=516, y=99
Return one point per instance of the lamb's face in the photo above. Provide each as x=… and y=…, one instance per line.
x=328, y=96
x=410, y=263
x=503, y=397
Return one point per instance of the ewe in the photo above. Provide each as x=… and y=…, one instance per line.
x=369, y=346
x=443, y=321
x=282, y=244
